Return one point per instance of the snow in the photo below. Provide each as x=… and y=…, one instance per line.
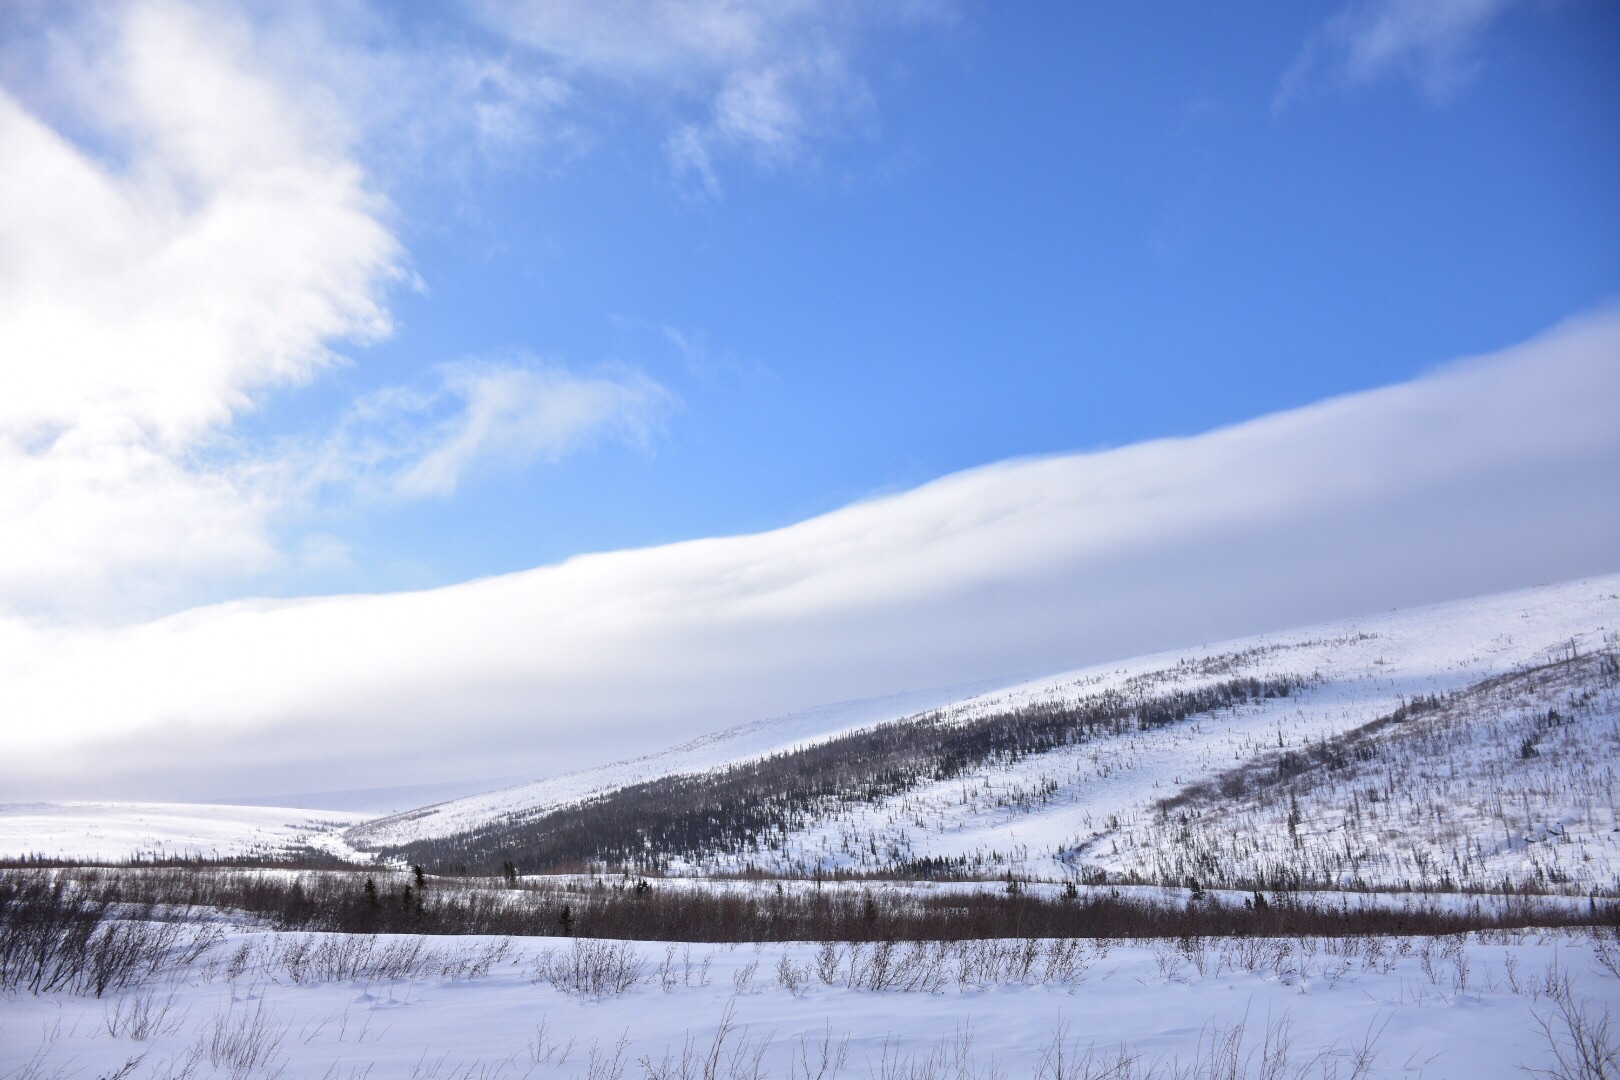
x=748, y=741
x=114, y=831
x=1367, y=667
x=1479, y=1005
x=1436, y=1007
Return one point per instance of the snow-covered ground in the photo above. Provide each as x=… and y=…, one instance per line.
x=113, y=831
x=294, y=1005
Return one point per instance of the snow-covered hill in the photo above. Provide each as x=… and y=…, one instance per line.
x=1154, y=802
x=1093, y=805
x=741, y=743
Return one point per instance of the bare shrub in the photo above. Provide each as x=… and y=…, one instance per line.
x=471, y=963
x=732, y=1055
x=543, y=1050
x=1063, y=1059
x=1066, y=961
x=240, y=1046
x=66, y=914
x=599, y=1066
x=790, y=976
x=820, y=1060
x=56, y=936
x=368, y=957
x=1578, y=1040
x=827, y=962
x=593, y=968
x=1606, y=950
x=144, y=1012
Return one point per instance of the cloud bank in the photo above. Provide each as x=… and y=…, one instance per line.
x=1493, y=473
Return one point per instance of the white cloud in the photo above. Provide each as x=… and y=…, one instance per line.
x=767, y=78
x=1490, y=474
x=506, y=102
x=411, y=442
x=667, y=40
x=1432, y=42
x=205, y=238
x=213, y=250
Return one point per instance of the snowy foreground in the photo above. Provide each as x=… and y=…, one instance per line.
x=259, y=1004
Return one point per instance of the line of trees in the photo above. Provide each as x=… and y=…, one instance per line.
x=77, y=918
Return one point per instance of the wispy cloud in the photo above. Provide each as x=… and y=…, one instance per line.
x=1488, y=474
x=762, y=79
x=424, y=441
x=1434, y=43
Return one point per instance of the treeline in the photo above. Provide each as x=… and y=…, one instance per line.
x=88, y=904
x=752, y=806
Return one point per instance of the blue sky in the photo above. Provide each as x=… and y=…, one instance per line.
x=309, y=299
x=1035, y=229
x=1053, y=228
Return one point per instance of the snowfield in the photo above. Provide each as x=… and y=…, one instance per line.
x=261, y=1004
x=116, y=831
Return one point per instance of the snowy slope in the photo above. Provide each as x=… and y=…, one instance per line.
x=739, y=743
x=1029, y=818
x=1044, y=815
x=380, y=801
x=1511, y=784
